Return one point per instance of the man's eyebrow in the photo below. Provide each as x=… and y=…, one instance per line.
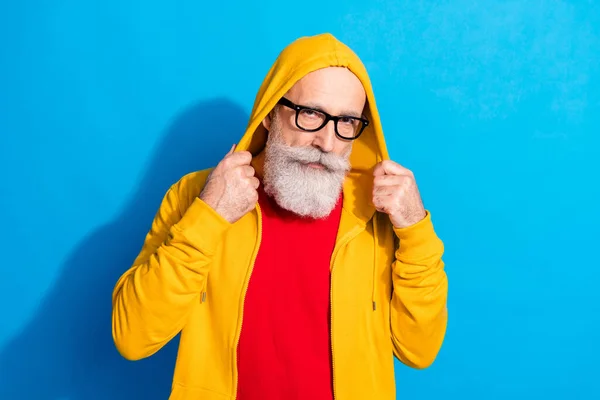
x=346, y=113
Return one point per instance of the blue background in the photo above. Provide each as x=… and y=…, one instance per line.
x=494, y=105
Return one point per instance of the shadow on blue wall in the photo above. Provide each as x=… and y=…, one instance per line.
x=66, y=350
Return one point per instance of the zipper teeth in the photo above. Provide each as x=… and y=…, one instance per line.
x=342, y=243
x=237, y=340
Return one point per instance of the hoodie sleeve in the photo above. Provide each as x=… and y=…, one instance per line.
x=418, y=307
x=152, y=300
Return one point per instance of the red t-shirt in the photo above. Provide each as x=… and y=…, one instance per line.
x=285, y=345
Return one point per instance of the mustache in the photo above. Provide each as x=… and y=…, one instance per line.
x=306, y=154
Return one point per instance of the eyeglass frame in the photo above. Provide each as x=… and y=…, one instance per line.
x=328, y=117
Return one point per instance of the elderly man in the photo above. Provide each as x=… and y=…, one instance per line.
x=303, y=262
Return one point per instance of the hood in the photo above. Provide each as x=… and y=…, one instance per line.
x=299, y=58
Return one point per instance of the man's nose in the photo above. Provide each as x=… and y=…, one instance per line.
x=325, y=138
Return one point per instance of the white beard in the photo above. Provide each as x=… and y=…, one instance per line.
x=299, y=188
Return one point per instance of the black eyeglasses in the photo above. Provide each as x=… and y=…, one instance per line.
x=311, y=120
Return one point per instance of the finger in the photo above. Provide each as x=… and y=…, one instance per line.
x=239, y=158
x=247, y=170
x=380, y=202
x=392, y=168
x=379, y=170
x=385, y=190
x=383, y=203
x=230, y=152
x=254, y=182
x=389, y=180
x=254, y=199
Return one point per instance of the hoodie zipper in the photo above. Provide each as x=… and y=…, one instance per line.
x=349, y=236
x=237, y=342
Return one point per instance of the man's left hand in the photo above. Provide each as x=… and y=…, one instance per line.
x=395, y=193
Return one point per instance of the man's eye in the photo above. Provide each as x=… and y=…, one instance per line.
x=311, y=113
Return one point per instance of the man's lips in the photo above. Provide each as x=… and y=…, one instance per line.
x=315, y=165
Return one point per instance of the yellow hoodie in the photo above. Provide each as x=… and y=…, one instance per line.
x=388, y=286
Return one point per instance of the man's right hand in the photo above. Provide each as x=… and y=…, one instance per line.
x=231, y=188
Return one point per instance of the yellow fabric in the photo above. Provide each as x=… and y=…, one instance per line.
x=388, y=290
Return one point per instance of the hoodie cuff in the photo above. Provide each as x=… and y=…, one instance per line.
x=203, y=226
x=418, y=241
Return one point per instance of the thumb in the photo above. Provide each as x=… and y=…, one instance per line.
x=389, y=167
x=379, y=170
x=231, y=150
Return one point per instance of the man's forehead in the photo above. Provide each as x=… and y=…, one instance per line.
x=330, y=87
x=341, y=74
